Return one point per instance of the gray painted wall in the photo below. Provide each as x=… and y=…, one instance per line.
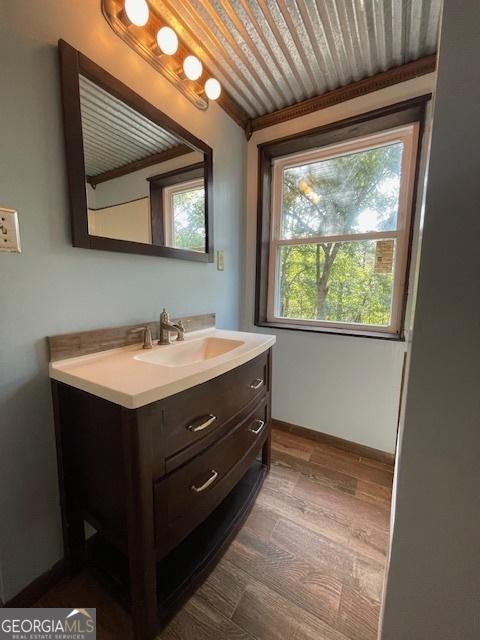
x=433, y=581
x=53, y=288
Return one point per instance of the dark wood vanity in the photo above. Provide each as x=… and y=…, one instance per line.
x=166, y=486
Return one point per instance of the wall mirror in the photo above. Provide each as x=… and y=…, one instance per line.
x=139, y=182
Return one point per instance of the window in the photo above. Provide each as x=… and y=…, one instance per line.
x=335, y=210
x=181, y=221
x=184, y=211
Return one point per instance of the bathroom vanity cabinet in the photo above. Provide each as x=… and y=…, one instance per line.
x=165, y=486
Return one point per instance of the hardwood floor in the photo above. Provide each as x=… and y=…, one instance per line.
x=307, y=565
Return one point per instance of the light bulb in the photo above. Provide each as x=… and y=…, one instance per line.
x=137, y=12
x=167, y=40
x=192, y=67
x=213, y=88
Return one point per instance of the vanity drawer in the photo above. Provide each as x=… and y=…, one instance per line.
x=187, y=496
x=194, y=414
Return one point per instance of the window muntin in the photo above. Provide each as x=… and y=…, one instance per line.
x=340, y=227
x=184, y=215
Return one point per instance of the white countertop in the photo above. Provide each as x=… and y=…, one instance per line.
x=117, y=375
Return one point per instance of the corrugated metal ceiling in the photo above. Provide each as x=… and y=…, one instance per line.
x=270, y=54
x=114, y=134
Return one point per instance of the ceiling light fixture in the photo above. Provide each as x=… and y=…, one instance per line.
x=213, y=88
x=192, y=67
x=167, y=41
x=160, y=45
x=137, y=12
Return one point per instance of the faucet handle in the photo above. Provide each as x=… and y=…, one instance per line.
x=147, y=336
x=164, y=316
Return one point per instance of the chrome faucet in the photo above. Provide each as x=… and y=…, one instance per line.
x=166, y=327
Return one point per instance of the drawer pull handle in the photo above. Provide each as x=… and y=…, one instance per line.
x=258, y=426
x=256, y=384
x=206, y=484
x=203, y=425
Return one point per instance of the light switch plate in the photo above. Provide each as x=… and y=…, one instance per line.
x=220, y=261
x=9, y=231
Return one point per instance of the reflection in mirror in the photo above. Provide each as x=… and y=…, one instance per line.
x=144, y=183
x=177, y=202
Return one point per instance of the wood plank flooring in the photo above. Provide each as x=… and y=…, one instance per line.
x=307, y=565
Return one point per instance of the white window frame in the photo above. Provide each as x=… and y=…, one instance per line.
x=408, y=135
x=168, y=193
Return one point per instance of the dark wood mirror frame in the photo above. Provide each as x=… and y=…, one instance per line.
x=73, y=64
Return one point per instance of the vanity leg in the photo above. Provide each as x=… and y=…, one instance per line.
x=267, y=450
x=141, y=543
x=143, y=595
x=73, y=527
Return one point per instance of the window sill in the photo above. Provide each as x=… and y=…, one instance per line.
x=355, y=333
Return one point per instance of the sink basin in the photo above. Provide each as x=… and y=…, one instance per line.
x=189, y=352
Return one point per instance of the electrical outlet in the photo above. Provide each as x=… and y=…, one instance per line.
x=220, y=261
x=9, y=231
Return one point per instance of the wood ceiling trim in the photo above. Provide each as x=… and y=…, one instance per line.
x=379, y=81
x=136, y=165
